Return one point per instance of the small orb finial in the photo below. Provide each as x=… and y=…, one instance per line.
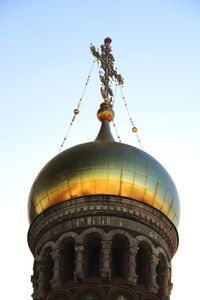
x=108, y=40
x=105, y=112
x=134, y=129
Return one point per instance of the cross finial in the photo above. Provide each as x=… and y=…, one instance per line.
x=107, y=64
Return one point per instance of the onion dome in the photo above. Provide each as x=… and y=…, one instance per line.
x=104, y=167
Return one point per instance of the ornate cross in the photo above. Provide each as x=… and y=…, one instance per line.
x=107, y=64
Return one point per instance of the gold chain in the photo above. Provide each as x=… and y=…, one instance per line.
x=134, y=128
x=77, y=110
x=114, y=124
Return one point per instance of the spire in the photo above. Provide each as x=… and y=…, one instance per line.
x=105, y=114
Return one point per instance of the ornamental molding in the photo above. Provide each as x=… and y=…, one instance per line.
x=102, y=211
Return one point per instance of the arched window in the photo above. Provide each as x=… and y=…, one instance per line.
x=142, y=264
x=68, y=257
x=92, y=255
x=120, y=246
x=161, y=271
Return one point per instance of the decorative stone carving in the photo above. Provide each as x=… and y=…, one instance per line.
x=72, y=214
x=107, y=217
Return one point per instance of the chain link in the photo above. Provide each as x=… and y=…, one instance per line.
x=134, y=128
x=77, y=110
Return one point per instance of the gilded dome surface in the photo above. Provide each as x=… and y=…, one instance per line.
x=104, y=168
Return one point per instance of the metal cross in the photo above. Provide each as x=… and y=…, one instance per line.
x=107, y=64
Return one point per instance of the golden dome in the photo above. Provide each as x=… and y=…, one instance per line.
x=104, y=167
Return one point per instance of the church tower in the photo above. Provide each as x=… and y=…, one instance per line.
x=103, y=217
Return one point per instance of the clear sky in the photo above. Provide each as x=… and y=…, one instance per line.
x=44, y=62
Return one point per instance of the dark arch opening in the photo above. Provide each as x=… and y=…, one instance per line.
x=142, y=264
x=161, y=271
x=92, y=255
x=120, y=246
x=68, y=260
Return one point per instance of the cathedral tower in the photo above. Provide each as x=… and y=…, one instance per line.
x=103, y=217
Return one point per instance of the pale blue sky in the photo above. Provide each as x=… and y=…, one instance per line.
x=44, y=61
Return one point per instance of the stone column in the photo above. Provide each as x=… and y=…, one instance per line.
x=132, y=276
x=34, y=280
x=106, y=263
x=167, y=285
x=79, y=262
x=41, y=280
x=153, y=262
x=56, y=280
